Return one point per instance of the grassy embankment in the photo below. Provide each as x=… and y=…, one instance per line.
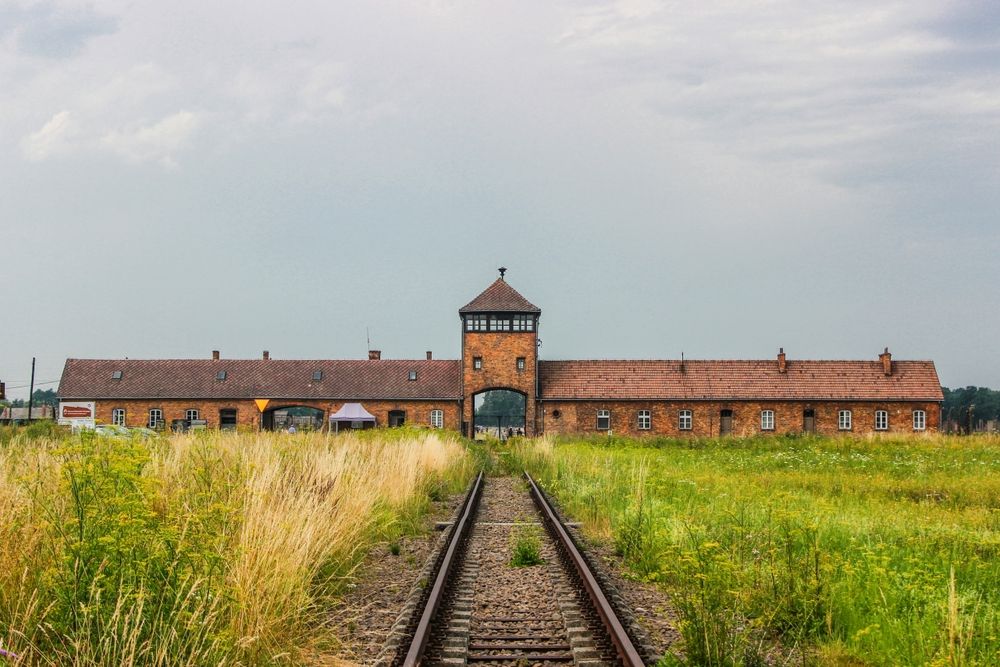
x=845, y=551
x=200, y=549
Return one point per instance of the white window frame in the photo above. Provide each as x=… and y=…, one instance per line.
x=524, y=322
x=475, y=323
x=155, y=417
x=521, y=364
x=845, y=420
x=645, y=420
x=603, y=414
x=919, y=420
x=192, y=411
x=685, y=420
x=437, y=418
x=767, y=420
x=118, y=416
x=881, y=420
x=477, y=363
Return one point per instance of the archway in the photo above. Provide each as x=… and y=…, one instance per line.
x=498, y=413
x=302, y=417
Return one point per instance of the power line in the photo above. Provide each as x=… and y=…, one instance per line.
x=37, y=384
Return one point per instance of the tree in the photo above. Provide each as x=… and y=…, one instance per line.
x=506, y=405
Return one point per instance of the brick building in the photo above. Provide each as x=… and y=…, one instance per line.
x=500, y=352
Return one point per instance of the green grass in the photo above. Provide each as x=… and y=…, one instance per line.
x=525, y=546
x=838, y=551
x=199, y=549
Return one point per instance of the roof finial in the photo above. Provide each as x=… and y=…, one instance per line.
x=502, y=270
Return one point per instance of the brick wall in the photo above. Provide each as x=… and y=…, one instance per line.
x=248, y=417
x=499, y=352
x=581, y=416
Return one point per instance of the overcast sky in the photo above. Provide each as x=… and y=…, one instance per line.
x=717, y=178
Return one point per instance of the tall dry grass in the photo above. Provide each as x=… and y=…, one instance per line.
x=199, y=549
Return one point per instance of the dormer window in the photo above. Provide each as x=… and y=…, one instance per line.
x=317, y=376
x=413, y=376
x=116, y=375
x=220, y=376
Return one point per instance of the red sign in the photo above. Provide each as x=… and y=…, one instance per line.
x=75, y=411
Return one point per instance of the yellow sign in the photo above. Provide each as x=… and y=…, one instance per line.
x=262, y=403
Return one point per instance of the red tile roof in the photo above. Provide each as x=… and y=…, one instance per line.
x=739, y=380
x=499, y=298
x=258, y=378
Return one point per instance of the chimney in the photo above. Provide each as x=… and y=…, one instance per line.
x=886, y=360
x=374, y=355
x=215, y=355
x=782, y=366
x=267, y=355
x=429, y=355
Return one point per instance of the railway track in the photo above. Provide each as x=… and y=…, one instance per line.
x=478, y=609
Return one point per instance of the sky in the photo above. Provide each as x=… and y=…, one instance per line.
x=714, y=178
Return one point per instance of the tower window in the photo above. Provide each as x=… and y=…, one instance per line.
x=499, y=323
x=524, y=323
x=603, y=420
x=477, y=363
x=475, y=323
x=520, y=363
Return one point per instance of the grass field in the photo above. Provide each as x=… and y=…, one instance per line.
x=811, y=550
x=205, y=549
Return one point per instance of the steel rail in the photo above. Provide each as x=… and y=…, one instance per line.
x=623, y=643
x=462, y=527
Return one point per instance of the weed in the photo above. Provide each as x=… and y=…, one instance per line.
x=525, y=546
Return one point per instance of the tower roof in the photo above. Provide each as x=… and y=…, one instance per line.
x=499, y=298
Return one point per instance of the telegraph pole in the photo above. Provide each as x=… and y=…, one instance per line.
x=31, y=391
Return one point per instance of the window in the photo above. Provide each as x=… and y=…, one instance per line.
x=475, y=323
x=155, y=418
x=684, y=420
x=645, y=420
x=221, y=375
x=524, y=323
x=437, y=418
x=844, y=420
x=767, y=420
x=603, y=420
x=192, y=414
x=499, y=323
x=118, y=416
x=477, y=363
x=116, y=375
x=520, y=363
x=881, y=420
x=919, y=420
x=317, y=376
x=412, y=376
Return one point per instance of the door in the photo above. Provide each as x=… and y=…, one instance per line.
x=397, y=418
x=725, y=422
x=227, y=419
x=809, y=421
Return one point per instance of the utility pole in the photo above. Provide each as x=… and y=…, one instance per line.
x=31, y=391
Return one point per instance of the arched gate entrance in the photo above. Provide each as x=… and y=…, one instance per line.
x=498, y=413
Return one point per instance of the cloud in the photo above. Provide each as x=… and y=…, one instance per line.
x=49, y=31
x=54, y=138
x=159, y=142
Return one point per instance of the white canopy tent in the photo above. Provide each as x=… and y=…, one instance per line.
x=352, y=413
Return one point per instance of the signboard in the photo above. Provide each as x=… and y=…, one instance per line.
x=262, y=403
x=78, y=414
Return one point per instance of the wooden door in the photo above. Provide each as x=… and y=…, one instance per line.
x=725, y=422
